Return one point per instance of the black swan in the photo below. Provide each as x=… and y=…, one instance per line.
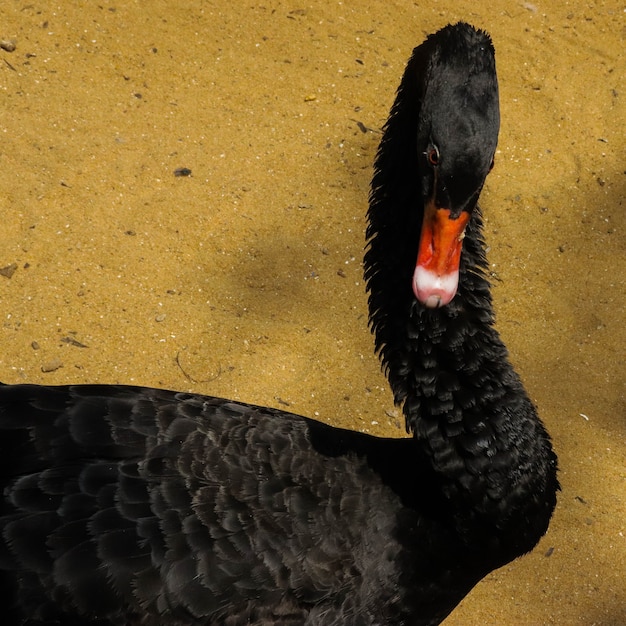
x=126, y=505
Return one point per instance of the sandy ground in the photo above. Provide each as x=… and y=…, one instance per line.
x=244, y=279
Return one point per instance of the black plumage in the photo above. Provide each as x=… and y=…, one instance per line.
x=126, y=505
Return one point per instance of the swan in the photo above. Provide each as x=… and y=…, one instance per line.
x=127, y=505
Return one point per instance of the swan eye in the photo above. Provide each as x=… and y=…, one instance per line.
x=433, y=155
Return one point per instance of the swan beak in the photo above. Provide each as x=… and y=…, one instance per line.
x=436, y=275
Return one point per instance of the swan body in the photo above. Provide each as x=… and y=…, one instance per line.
x=126, y=505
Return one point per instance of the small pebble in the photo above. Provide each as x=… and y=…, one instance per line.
x=7, y=45
x=52, y=365
x=182, y=171
x=160, y=317
x=34, y=345
x=8, y=270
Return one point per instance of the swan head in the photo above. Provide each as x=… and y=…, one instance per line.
x=457, y=135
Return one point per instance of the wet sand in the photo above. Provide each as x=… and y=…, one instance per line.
x=244, y=279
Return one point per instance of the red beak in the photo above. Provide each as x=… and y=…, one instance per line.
x=436, y=275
